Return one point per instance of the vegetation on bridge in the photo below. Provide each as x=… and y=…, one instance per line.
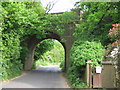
x=52, y=56
x=23, y=19
x=92, y=37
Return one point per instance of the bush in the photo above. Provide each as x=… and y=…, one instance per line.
x=11, y=69
x=62, y=64
x=80, y=53
x=86, y=50
x=52, y=55
x=113, y=50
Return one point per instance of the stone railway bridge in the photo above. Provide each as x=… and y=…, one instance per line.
x=33, y=41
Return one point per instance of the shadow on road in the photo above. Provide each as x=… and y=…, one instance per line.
x=43, y=77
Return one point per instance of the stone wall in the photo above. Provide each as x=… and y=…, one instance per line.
x=65, y=39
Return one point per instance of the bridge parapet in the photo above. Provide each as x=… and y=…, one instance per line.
x=65, y=39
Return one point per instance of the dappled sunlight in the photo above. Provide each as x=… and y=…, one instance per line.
x=50, y=45
x=49, y=68
x=52, y=56
x=44, y=77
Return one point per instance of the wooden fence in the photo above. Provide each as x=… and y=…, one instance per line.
x=105, y=79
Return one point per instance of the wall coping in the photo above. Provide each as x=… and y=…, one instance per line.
x=107, y=62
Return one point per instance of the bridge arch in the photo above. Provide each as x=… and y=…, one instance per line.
x=33, y=41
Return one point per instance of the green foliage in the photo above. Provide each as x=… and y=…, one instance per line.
x=113, y=50
x=11, y=69
x=43, y=47
x=24, y=19
x=58, y=53
x=16, y=19
x=36, y=7
x=20, y=21
x=68, y=17
x=96, y=20
x=58, y=22
x=53, y=55
x=43, y=63
x=80, y=53
x=114, y=33
x=11, y=65
x=75, y=77
x=62, y=65
x=86, y=50
x=91, y=36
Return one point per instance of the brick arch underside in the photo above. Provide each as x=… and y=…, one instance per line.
x=33, y=41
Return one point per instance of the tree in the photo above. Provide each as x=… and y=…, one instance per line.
x=97, y=18
x=43, y=47
x=92, y=38
x=20, y=21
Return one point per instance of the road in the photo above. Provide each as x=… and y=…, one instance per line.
x=44, y=77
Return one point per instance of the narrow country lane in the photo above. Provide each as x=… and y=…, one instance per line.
x=44, y=77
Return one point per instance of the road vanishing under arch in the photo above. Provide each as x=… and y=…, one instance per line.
x=67, y=37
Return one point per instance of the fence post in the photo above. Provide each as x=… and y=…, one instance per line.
x=108, y=74
x=97, y=78
x=88, y=74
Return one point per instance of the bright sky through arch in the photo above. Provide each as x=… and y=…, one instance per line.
x=60, y=5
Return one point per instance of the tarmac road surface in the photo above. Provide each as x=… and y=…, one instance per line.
x=43, y=77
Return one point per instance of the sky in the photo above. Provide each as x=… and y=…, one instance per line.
x=60, y=5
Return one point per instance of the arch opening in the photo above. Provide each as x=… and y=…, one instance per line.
x=65, y=39
x=49, y=52
x=34, y=41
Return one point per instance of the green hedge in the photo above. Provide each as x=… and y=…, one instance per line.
x=80, y=53
x=11, y=66
x=20, y=21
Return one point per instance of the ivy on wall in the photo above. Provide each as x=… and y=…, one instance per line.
x=92, y=38
x=20, y=21
x=113, y=51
